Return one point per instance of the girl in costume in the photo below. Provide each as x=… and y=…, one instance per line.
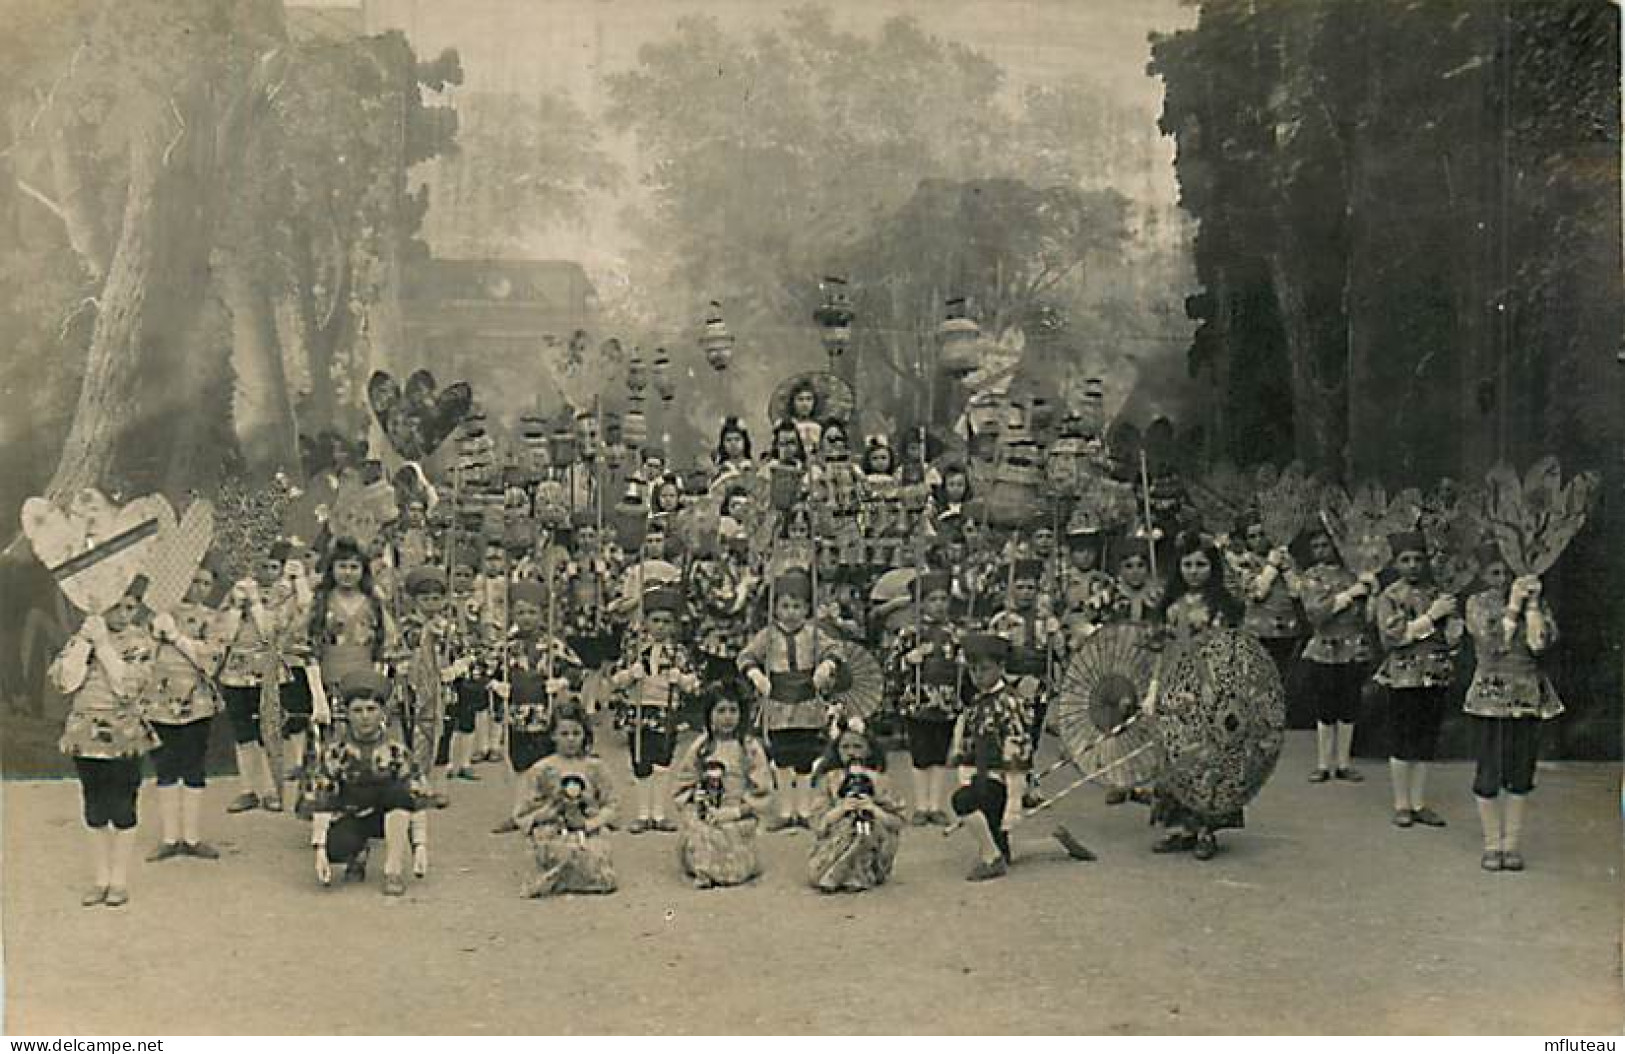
x=570, y=803
x=805, y=409
x=732, y=461
x=1335, y=661
x=180, y=703
x=724, y=783
x=350, y=626
x=1507, y=702
x=1197, y=602
x=859, y=822
x=103, y=671
x=1419, y=628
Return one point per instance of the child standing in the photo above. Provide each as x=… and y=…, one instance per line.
x=180, y=704
x=724, y=783
x=569, y=804
x=538, y=671
x=789, y=662
x=859, y=825
x=1335, y=659
x=1507, y=702
x=103, y=672
x=653, y=678
x=926, y=667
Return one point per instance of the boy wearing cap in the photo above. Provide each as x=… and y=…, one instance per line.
x=652, y=678
x=992, y=748
x=925, y=664
x=365, y=787
x=490, y=607
x=1036, y=644
x=789, y=662
x=436, y=657
x=262, y=622
x=1266, y=579
x=538, y=671
x=1419, y=629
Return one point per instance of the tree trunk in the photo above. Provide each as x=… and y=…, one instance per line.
x=1315, y=419
x=113, y=366
x=261, y=409
x=80, y=211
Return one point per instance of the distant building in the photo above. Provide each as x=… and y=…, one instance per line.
x=485, y=321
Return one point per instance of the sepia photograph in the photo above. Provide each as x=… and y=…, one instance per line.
x=731, y=518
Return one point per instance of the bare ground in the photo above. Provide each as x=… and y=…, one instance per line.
x=1319, y=917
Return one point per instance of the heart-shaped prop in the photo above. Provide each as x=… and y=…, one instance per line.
x=419, y=419
x=179, y=552
x=95, y=549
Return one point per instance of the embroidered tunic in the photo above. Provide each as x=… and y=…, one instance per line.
x=104, y=709
x=180, y=689
x=1507, y=683
x=789, y=661
x=1421, y=653
x=1339, y=637
x=930, y=692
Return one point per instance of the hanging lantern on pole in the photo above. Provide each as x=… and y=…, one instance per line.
x=959, y=338
x=564, y=448
x=716, y=341
x=637, y=375
x=614, y=441
x=834, y=317
x=1094, y=406
x=635, y=426
x=533, y=433
x=662, y=376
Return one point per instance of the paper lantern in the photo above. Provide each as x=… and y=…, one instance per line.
x=959, y=339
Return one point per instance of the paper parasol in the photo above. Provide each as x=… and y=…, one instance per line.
x=1096, y=712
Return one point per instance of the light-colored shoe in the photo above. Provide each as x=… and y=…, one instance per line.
x=200, y=850
x=93, y=896
x=117, y=897
x=394, y=886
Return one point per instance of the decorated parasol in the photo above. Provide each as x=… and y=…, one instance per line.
x=1221, y=721
x=859, y=687
x=1097, y=709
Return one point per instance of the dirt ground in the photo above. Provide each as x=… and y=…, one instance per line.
x=1318, y=918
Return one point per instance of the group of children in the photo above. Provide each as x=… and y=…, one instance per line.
x=361, y=694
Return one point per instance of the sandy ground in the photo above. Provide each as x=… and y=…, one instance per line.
x=1319, y=917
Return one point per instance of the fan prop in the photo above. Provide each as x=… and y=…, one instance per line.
x=1221, y=718
x=1533, y=519
x=859, y=687
x=1096, y=712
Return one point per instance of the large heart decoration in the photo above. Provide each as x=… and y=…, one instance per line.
x=179, y=552
x=93, y=548
x=419, y=419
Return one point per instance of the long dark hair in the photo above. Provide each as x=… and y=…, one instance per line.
x=731, y=426
x=346, y=548
x=1218, y=598
x=787, y=428
x=709, y=739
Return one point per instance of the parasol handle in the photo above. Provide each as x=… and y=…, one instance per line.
x=1150, y=524
x=1087, y=777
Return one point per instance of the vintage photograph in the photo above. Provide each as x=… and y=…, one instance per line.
x=811, y=517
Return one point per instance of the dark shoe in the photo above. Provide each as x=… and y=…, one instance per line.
x=941, y=819
x=1512, y=860
x=1491, y=860
x=1427, y=817
x=93, y=896
x=394, y=886
x=1206, y=845
x=988, y=869
x=244, y=803
x=1032, y=800
x=638, y=826
x=1319, y=776
x=466, y=774
x=438, y=800
x=921, y=818
x=1116, y=796
x=507, y=826
x=1178, y=842
x=779, y=823
x=271, y=804
x=666, y=826
x=201, y=850
x=1349, y=775
x=117, y=897
x=356, y=870
x=164, y=851
x=1403, y=817
x=1074, y=848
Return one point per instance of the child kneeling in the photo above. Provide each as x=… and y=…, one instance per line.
x=724, y=784
x=859, y=825
x=570, y=803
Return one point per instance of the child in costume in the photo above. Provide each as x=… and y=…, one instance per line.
x=732, y=462
x=1037, y=648
x=789, y=662
x=264, y=626
x=538, y=672
x=473, y=697
x=435, y=655
x=365, y=787
x=1507, y=702
x=724, y=783
x=103, y=670
x=1335, y=661
x=568, y=806
x=860, y=823
x=1419, y=628
x=1197, y=602
x=925, y=667
x=1266, y=579
x=351, y=629
x=490, y=609
x=1136, y=599
x=180, y=703
x=654, y=677
x=993, y=751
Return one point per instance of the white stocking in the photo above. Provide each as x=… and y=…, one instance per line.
x=1345, y=744
x=1399, y=773
x=191, y=815
x=169, y=813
